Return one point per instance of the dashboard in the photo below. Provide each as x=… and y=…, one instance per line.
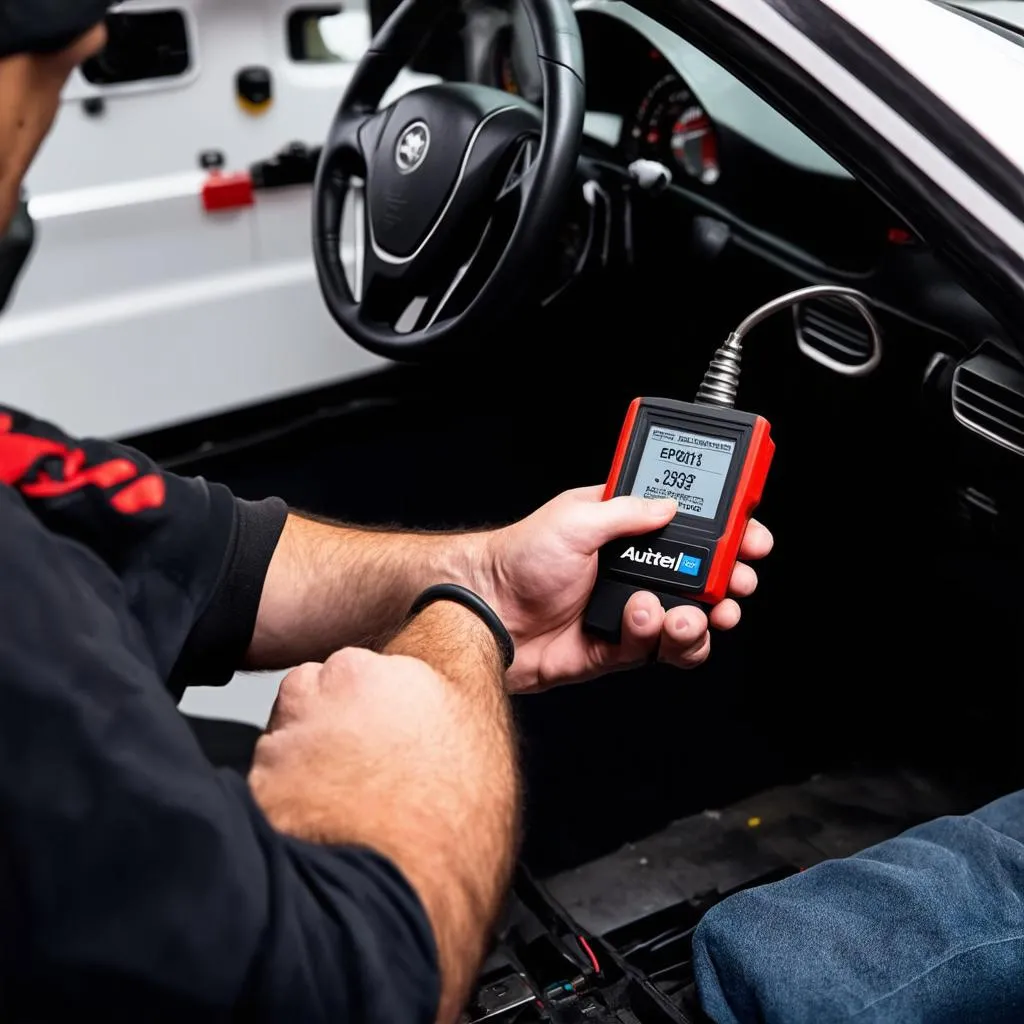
x=670, y=125
x=753, y=202
x=652, y=96
x=735, y=162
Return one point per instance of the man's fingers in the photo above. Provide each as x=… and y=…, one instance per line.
x=641, y=627
x=743, y=581
x=596, y=523
x=297, y=689
x=685, y=641
x=685, y=637
x=757, y=541
x=642, y=619
x=589, y=494
x=725, y=614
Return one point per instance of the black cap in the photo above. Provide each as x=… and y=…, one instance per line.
x=45, y=26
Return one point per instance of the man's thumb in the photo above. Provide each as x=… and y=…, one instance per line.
x=627, y=516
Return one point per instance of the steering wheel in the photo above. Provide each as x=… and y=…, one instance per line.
x=463, y=188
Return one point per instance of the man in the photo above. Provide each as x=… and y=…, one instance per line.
x=357, y=874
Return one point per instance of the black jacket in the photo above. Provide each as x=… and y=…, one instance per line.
x=137, y=882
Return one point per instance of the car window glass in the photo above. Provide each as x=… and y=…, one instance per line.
x=328, y=33
x=141, y=46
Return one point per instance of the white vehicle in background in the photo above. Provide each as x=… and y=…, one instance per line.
x=160, y=289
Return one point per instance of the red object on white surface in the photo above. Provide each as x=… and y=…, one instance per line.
x=227, y=191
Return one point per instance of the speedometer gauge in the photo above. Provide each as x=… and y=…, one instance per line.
x=694, y=145
x=672, y=127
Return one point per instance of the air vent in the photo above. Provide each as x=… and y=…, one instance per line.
x=833, y=332
x=988, y=398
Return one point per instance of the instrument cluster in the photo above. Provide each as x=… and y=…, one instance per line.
x=670, y=126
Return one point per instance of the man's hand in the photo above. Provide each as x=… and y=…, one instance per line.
x=330, y=586
x=413, y=760
x=541, y=572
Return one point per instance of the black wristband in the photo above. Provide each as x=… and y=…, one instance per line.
x=478, y=606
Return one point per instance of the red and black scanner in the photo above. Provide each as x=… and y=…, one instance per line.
x=713, y=462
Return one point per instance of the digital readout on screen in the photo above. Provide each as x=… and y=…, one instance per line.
x=692, y=468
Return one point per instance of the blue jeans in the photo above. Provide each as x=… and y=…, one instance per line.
x=927, y=927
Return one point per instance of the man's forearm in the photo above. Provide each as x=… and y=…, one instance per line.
x=330, y=586
x=464, y=887
x=410, y=753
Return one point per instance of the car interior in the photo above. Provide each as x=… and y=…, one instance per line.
x=873, y=681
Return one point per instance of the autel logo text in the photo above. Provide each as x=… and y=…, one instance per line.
x=688, y=565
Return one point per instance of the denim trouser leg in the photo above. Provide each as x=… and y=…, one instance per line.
x=927, y=927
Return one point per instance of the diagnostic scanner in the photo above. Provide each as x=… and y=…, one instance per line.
x=713, y=461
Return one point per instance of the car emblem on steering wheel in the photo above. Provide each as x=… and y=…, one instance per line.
x=412, y=147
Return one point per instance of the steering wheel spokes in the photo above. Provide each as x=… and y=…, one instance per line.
x=453, y=216
x=449, y=294
x=519, y=177
x=439, y=281
x=344, y=148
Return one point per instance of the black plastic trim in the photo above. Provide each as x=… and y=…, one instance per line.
x=989, y=413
